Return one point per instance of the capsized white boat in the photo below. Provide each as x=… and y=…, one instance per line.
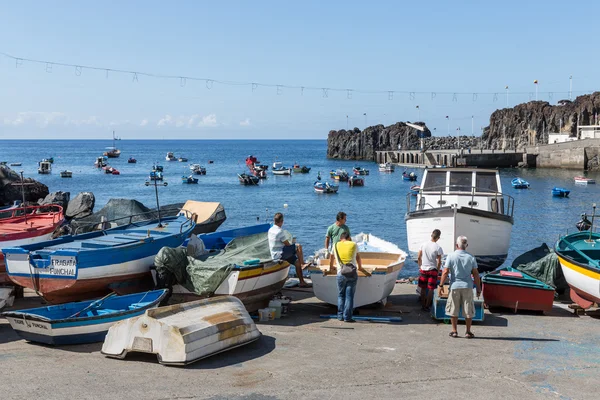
x=382, y=259
x=181, y=334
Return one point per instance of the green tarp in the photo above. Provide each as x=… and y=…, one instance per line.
x=204, y=274
x=542, y=263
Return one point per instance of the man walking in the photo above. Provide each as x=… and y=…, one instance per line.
x=430, y=262
x=282, y=249
x=461, y=265
x=334, y=232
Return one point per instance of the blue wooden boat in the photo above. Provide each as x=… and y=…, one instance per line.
x=560, y=192
x=89, y=265
x=189, y=179
x=325, y=187
x=81, y=322
x=438, y=308
x=409, y=176
x=519, y=183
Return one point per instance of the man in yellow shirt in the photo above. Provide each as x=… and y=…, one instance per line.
x=345, y=253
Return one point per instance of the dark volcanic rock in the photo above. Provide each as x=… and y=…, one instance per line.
x=529, y=123
x=34, y=190
x=81, y=206
x=362, y=145
x=60, y=198
x=593, y=164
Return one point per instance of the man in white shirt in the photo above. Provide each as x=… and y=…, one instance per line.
x=430, y=262
x=282, y=250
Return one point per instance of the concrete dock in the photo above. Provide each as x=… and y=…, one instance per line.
x=514, y=356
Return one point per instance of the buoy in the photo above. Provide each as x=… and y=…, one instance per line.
x=285, y=205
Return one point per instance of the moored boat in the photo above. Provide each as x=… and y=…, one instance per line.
x=113, y=152
x=360, y=171
x=583, y=180
x=170, y=157
x=462, y=201
x=560, y=192
x=131, y=160
x=80, y=322
x=382, y=259
x=157, y=167
x=66, y=174
x=300, y=169
x=78, y=267
x=279, y=169
x=199, y=329
x=156, y=176
x=197, y=169
x=44, y=167
x=325, y=187
x=248, y=180
x=579, y=257
x=387, y=167
x=339, y=175
x=182, y=159
x=519, y=183
x=356, y=180
x=189, y=179
x=208, y=216
x=101, y=162
x=409, y=176
x=513, y=289
x=16, y=164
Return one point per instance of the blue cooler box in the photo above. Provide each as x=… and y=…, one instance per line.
x=438, y=310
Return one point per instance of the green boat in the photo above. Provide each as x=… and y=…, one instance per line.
x=301, y=169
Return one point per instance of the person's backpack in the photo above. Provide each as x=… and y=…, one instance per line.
x=348, y=270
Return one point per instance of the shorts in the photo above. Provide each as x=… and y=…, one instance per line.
x=428, y=279
x=460, y=298
x=288, y=253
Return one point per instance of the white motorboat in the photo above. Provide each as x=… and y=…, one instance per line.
x=462, y=201
x=382, y=259
x=181, y=334
x=66, y=174
x=197, y=169
x=44, y=167
x=387, y=167
x=279, y=169
x=170, y=157
x=583, y=180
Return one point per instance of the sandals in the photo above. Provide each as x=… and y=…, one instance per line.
x=469, y=335
x=453, y=334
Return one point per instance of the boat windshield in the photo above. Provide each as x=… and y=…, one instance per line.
x=435, y=180
x=461, y=181
x=486, y=182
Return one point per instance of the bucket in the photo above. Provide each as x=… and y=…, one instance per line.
x=276, y=305
x=271, y=312
x=263, y=314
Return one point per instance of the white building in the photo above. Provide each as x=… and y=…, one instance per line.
x=589, y=131
x=560, y=138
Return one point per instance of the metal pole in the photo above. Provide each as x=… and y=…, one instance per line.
x=157, y=205
x=570, y=86
x=472, y=125
x=418, y=114
x=346, y=122
x=23, y=195
x=506, y=96
x=593, y=215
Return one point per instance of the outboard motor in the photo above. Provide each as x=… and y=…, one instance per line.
x=584, y=224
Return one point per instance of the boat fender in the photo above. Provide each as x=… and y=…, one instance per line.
x=252, y=261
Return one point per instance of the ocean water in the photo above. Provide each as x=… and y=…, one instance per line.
x=378, y=207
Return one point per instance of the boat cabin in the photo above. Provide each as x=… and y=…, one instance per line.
x=45, y=167
x=464, y=187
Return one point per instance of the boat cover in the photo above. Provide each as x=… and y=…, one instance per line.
x=541, y=263
x=204, y=274
x=206, y=212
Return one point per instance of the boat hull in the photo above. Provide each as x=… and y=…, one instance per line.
x=517, y=298
x=489, y=232
x=582, y=280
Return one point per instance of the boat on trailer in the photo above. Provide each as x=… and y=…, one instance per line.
x=77, y=267
x=181, y=334
x=579, y=257
x=382, y=259
x=462, y=201
x=80, y=322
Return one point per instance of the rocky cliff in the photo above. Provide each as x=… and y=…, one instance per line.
x=529, y=123
x=362, y=145
x=10, y=187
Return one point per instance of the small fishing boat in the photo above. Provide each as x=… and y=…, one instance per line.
x=360, y=171
x=189, y=179
x=115, y=171
x=339, y=175
x=16, y=164
x=44, y=167
x=579, y=257
x=158, y=168
x=131, y=160
x=156, y=176
x=519, y=183
x=251, y=162
x=170, y=157
x=247, y=179
x=300, y=169
x=560, y=192
x=325, y=187
x=279, y=169
x=101, y=162
x=110, y=170
x=81, y=322
x=197, y=169
x=510, y=288
x=235, y=262
x=382, y=259
x=200, y=329
x=113, y=152
x=583, y=180
x=182, y=159
x=77, y=267
x=387, y=167
x=356, y=180
x=409, y=176
x=66, y=174
x=414, y=190
x=260, y=173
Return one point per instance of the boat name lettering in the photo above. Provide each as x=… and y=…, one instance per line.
x=474, y=220
x=69, y=262
x=62, y=271
x=19, y=322
x=39, y=326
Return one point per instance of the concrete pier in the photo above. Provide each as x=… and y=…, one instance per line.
x=513, y=356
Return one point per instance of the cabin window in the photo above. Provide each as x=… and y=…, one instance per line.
x=486, y=182
x=461, y=181
x=435, y=180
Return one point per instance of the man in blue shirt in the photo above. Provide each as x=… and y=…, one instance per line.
x=461, y=265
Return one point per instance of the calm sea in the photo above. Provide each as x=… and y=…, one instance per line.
x=378, y=207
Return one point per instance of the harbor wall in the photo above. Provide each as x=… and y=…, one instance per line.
x=570, y=155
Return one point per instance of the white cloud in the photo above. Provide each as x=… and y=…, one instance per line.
x=209, y=120
x=245, y=122
x=39, y=119
x=166, y=120
x=144, y=122
x=185, y=121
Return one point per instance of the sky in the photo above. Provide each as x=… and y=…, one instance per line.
x=252, y=59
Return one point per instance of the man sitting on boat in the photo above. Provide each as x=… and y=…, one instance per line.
x=334, y=232
x=461, y=265
x=430, y=262
x=282, y=249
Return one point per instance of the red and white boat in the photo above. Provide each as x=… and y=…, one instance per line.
x=26, y=225
x=584, y=180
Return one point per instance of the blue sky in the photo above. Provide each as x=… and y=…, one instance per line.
x=404, y=46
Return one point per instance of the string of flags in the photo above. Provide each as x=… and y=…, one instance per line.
x=209, y=83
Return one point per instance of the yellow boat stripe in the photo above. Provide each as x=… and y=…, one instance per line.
x=262, y=271
x=577, y=268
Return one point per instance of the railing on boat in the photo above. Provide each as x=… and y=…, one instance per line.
x=502, y=203
x=54, y=210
